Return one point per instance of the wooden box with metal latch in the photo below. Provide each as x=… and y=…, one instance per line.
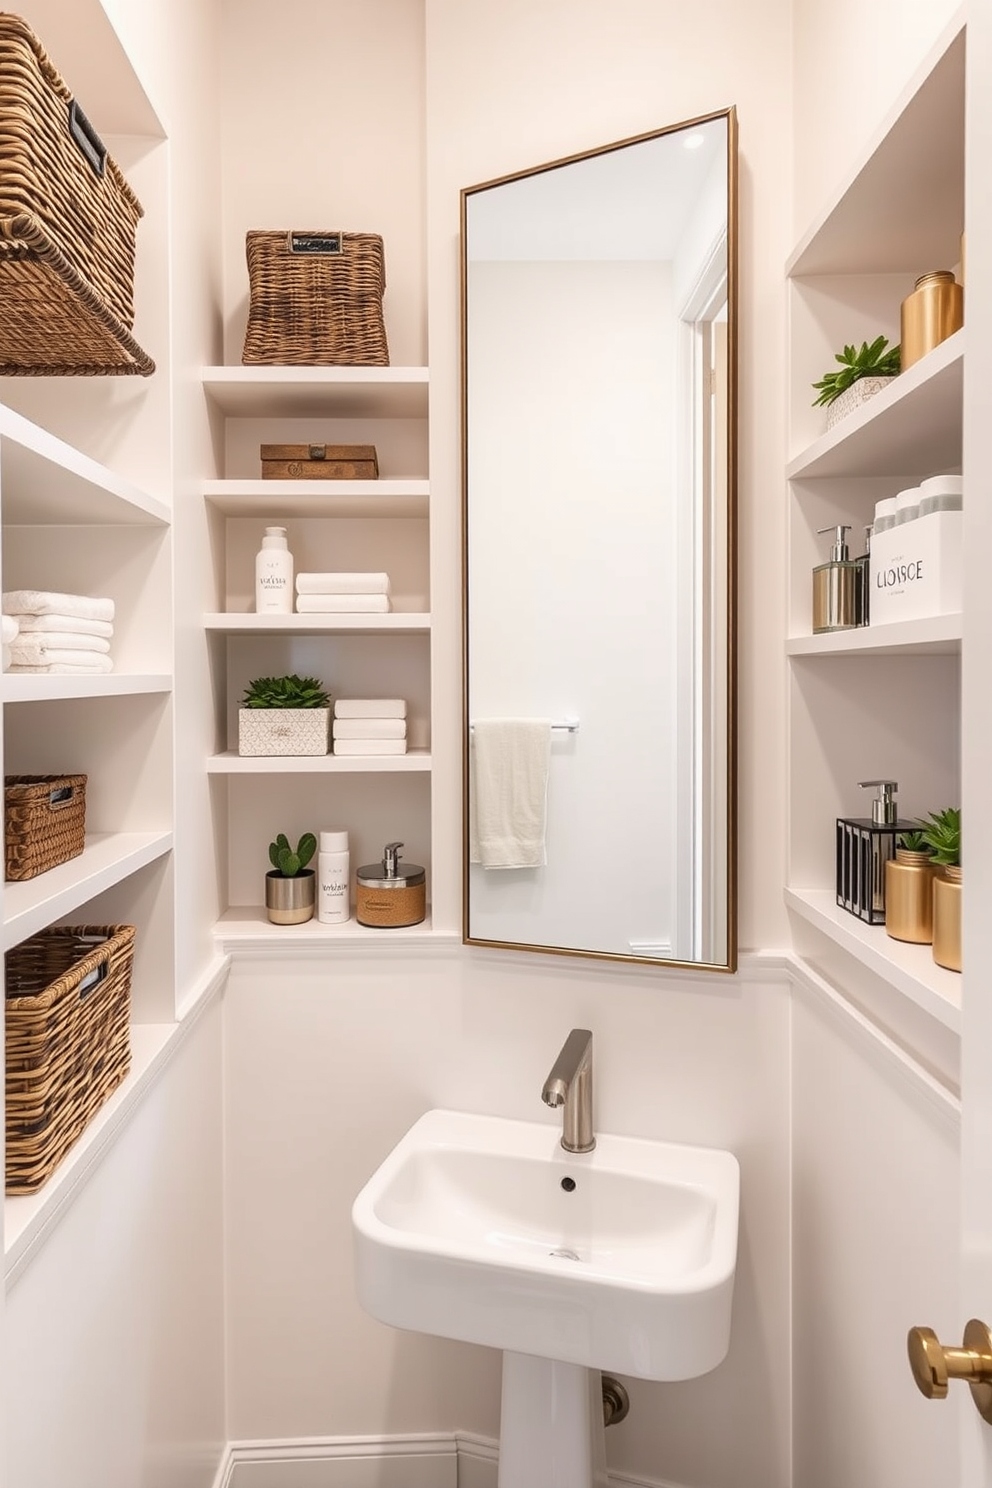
x=319, y=462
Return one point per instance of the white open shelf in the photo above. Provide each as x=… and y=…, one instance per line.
x=31, y=687
x=937, y=636
x=402, y=622
x=313, y=498
x=303, y=392
x=107, y=859
x=46, y=481
x=915, y=422
x=230, y=763
x=247, y=927
x=911, y=969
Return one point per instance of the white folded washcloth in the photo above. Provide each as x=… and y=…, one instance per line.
x=38, y=646
x=98, y=664
x=64, y=623
x=10, y=628
x=369, y=728
x=342, y=583
x=45, y=602
x=370, y=746
x=370, y=708
x=342, y=604
x=508, y=792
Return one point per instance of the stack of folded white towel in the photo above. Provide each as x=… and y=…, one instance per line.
x=51, y=632
x=342, y=594
x=369, y=726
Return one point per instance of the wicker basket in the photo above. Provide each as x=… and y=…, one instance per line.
x=68, y=1003
x=316, y=299
x=44, y=822
x=67, y=227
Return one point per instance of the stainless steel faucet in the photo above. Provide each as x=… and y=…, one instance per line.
x=570, y=1085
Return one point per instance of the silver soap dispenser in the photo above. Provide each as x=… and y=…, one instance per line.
x=835, y=586
x=864, y=846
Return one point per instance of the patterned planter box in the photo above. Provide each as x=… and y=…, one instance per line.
x=283, y=730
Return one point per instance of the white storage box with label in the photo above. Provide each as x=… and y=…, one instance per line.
x=915, y=566
x=283, y=730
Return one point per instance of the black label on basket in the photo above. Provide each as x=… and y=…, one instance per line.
x=86, y=137
x=316, y=243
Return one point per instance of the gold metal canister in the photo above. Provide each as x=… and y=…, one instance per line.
x=947, y=918
x=909, y=896
x=934, y=311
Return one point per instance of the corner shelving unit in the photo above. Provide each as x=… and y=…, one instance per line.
x=377, y=525
x=854, y=696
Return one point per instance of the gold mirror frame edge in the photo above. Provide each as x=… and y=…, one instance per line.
x=730, y=966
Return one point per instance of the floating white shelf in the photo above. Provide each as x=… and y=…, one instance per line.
x=402, y=622
x=913, y=424
x=876, y=222
x=30, y=687
x=329, y=392
x=938, y=636
x=230, y=763
x=312, y=498
x=46, y=481
x=107, y=859
x=911, y=969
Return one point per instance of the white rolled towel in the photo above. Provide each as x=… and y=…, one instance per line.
x=37, y=646
x=342, y=604
x=370, y=708
x=49, y=602
x=66, y=661
x=65, y=623
x=342, y=583
x=370, y=728
x=370, y=746
x=10, y=628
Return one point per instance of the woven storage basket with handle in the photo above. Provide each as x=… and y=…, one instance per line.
x=67, y=227
x=316, y=299
x=68, y=1046
x=44, y=822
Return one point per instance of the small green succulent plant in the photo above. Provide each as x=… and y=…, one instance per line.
x=855, y=363
x=941, y=831
x=914, y=841
x=287, y=862
x=286, y=692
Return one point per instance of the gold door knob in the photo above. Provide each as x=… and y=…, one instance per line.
x=933, y=1365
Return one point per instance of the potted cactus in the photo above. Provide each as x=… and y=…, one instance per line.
x=284, y=715
x=864, y=371
x=942, y=834
x=290, y=886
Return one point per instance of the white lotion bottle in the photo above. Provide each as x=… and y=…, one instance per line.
x=274, y=574
x=333, y=875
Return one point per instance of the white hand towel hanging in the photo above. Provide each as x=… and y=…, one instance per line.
x=508, y=792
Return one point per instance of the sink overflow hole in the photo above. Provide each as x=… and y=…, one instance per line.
x=568, y=1184
x=565, y=1255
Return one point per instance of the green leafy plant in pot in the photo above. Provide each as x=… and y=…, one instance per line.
x=287, y=715
x=941, y=831
x=909, y=890
x=290, y=886
x=863, y=372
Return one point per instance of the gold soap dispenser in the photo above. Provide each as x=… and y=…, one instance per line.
x=835, y=586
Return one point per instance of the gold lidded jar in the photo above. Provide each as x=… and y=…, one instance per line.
x=947, y=918
x=934, y=311
x=390, y=894
x=909, y=880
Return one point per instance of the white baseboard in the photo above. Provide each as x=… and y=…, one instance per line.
x=441, y=1460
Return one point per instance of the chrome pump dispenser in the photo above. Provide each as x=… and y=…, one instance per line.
x=864, y=846
x=835, y=586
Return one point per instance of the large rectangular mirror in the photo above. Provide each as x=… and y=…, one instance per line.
x=599, y=313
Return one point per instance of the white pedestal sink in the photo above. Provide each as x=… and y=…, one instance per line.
x=623, y=1258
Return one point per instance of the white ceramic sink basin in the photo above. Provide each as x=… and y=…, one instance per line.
x=486, y=1230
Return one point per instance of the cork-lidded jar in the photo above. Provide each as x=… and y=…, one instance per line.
x=389, y=894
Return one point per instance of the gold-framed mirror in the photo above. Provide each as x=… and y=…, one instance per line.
x=599, y=410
